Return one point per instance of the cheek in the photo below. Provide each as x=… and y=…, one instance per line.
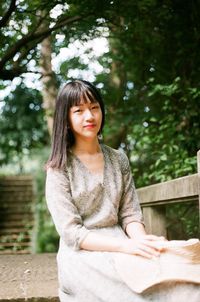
x=99, y=120
x=100, y=117
x=75, y=123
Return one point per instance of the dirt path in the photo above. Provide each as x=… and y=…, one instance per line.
x=23, y=277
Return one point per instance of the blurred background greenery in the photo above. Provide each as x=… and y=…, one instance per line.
x=142, y=55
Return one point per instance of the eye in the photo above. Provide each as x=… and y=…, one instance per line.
x=95, y=107
x=77, y=110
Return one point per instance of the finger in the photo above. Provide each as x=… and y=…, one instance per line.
x=162, y=238
x=156, y=245
x=150, y=249
x=143, y=254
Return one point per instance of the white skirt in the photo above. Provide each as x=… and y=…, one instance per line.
x=86, y=276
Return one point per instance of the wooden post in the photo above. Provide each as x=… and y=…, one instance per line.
x=155, y=220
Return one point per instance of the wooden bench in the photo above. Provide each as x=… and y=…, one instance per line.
x=154, y=198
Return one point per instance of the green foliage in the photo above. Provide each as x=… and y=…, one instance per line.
x=22, y=124
x=165, y=141
x=46, y=235
x=183, y=221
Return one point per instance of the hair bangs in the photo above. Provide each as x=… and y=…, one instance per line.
x=81, y=96
x=74, y=98
x=88, y=97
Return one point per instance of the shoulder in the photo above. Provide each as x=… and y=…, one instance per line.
x=120, y=156
x=56, y=175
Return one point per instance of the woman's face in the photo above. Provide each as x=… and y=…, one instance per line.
x=85, y=120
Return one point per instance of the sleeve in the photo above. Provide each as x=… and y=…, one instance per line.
x=130, y=209
x=64, y=213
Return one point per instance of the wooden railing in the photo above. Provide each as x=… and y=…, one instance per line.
x=154, y=199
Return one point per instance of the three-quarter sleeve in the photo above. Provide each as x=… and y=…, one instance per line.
x=64, y=213
x=130, y=209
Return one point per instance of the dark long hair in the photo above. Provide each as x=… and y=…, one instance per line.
x=70, y=95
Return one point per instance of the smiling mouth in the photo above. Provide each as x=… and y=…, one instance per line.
x=90, y=126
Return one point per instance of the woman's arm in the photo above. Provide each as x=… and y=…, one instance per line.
x=69, y=223
x=131, y=218
x=140, y=244
x=136, y=231
x=65, y=215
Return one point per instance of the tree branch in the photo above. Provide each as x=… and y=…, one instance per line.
x=40, y=35
x=11, y=74
x=7, y=15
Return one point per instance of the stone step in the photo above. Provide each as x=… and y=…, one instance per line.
x=14, y=244
x=14, y=231
x=16, y=223
x=17, y=178
x=11, y=201
x=15, y=207
x=17, y=211
x=8, y=244
x=15, y=247
x=15, y=216
x=15, y=184
x=15, y=252
x=15, y=237
x=16, y=197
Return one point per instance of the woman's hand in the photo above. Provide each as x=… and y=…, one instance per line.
x=148, y=246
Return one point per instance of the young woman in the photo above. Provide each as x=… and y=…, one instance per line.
x=92, y=199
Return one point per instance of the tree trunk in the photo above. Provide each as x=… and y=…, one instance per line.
x=118, y=75
x=49, y=85
x=117, y=82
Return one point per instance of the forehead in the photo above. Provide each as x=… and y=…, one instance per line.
x=88, y=102
x=84, y=100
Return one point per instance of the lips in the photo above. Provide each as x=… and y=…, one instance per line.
x=90, y=126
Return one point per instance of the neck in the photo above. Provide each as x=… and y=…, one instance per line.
x=89, y=147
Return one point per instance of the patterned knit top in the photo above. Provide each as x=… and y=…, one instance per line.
x=81, y=201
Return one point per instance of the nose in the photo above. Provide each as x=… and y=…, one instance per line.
x=88, y=114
